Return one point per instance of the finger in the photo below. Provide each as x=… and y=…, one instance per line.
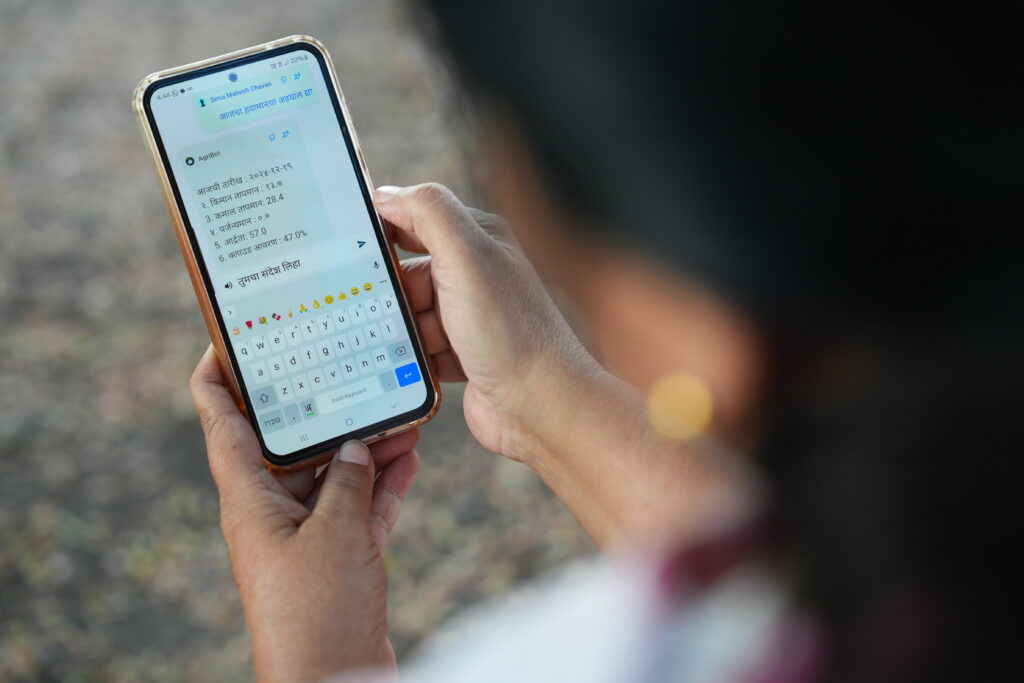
x=493, y=224
x=406, y=240
x=344, y=497
x=433, y=214
x=231, y=445
x=298, y=483
x=386, y=450
x=314, y=493
x=447, y=367
x=383, y=452
x=419, y=286
x=432, y=332
x=389, y=492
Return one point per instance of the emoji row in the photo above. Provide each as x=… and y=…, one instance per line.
x=373, y=308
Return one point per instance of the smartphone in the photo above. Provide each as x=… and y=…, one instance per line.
x=295, y=274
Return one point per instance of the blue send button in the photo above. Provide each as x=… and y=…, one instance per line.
x=407, y=374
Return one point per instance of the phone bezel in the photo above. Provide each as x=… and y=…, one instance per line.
x=368, y=433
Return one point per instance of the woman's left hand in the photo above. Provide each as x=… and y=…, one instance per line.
x=306, y=552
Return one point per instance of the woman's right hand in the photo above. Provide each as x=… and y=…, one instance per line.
x=484, y=315
x=533, y=392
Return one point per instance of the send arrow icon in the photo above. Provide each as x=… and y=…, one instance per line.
x=361, y=243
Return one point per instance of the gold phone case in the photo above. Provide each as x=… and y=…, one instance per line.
x=196, y=276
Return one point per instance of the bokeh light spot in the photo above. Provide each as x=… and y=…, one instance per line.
x=679, y=406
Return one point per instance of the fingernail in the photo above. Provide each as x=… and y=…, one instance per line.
x=354, y=451
x=385, y=193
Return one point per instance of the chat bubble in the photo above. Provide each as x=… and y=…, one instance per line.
x=255, y=98
x=254, y=196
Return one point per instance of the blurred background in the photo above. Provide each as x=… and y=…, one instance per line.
x=112, y=565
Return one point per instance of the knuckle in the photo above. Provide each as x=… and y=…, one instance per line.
x=434, y=195
x=433, y=191
x=382, y=523
x=493, y=224
x=416, y=263
x=210, y=421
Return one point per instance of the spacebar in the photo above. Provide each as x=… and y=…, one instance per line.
x=348, y=395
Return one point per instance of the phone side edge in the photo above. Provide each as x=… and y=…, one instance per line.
x=184, y=244
x=392, y=254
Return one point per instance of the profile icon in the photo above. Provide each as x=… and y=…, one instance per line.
x=232, y=77
x=189, y=161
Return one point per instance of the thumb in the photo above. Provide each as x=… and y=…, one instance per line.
x=348, y=485
x=432, y=215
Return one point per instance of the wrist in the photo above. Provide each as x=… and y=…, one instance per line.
x=556, y=390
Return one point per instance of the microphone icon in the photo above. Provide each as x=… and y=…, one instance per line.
x=376, y=265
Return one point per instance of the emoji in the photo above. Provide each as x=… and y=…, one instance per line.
x=263, y=320
x=275, y=316
x=316, y=303
x=341, y=296
x=354, y=291
x=328, y=299
x=368, y=286
x=290, y=314
x=248, y=323
x=302, y=308
x=236, y=330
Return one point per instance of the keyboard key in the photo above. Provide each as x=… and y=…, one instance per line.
x=263, y=397
x=348, y=368
x=373, y=309
x=381, y=359
x=293, y=334
x=278, y=342
x=272, y=421
x=356, y=341
x=310, y=356
x=388, y=381
x=399, y=351
x=301, y=384
x=325, y=349
x=308, y=409
x=373, y=334
x=244, y=349
x=389, y=329
x=341, y=319
x=389, y=304
x=309, y=329
x=292, y=361
x=341, y=346
x=364, y=363
x=277, y=368
x=325, y=325
x=283, y=389
x=407, y=374
x=292, y=415
x=316, y=380
x=259, y=372
x=333, y=374
x=346, y=396
x=357, y=314
x=260, y=346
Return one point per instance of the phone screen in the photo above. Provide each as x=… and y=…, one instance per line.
x=283, y=226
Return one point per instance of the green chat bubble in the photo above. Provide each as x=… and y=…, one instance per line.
x=254, y=98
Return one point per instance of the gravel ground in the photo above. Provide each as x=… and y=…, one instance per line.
x=112, y=566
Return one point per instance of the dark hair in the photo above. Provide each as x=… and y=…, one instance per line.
x=849, y=174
